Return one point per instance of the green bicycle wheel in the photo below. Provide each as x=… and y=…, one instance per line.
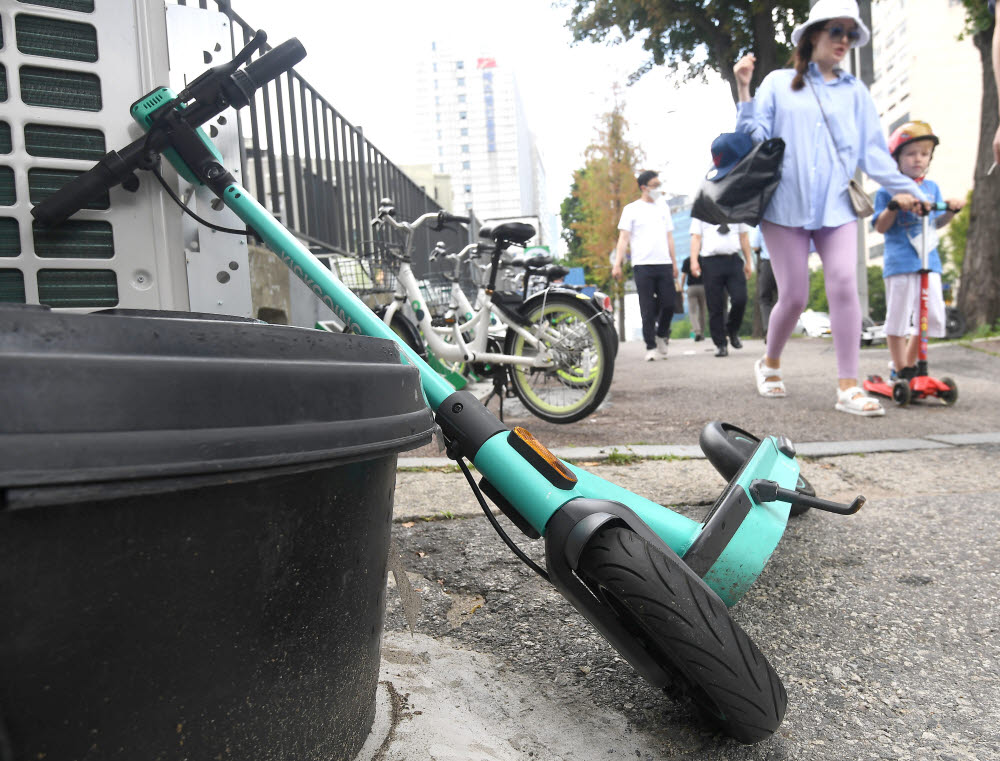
x=578, y=379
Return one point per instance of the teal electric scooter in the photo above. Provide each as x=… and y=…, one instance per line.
x=654, y=583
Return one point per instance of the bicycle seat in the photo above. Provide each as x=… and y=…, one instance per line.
x=537, y=261
x=509, y=232
x=517, y=262
x=555, y=271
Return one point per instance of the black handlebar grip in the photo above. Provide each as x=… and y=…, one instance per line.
x=245, y=82
x=274, y=62
x=444, y=218
x=74, y=195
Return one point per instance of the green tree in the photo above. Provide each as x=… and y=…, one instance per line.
x=602, y=188
x=979, y=297
x=691, y=37
x=570, y=214
x=952, y=245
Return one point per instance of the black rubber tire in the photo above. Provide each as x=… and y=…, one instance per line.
x=728, y=447
x=950, y=396
x=576, y=319
x=688, y=630
x=954, y=323
x=901, y=392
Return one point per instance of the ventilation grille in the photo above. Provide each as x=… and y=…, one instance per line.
x=64, y=142
x=10, y=237
x=74, y=239
x=55, y=259
x=56, y=38
x=8, y=196
x=11, y=286
x=56, y=88
x=83, y=6
x=77, y=288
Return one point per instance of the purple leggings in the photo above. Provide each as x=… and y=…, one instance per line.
x=838, y=249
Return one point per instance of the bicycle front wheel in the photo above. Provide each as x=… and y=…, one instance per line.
x=688, y=631
x=578, y=379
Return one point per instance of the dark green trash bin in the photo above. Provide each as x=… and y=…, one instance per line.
x=194, y=525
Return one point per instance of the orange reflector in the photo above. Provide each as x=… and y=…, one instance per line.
x=541, y=458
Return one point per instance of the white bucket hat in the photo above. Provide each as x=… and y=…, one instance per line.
x=824, y=10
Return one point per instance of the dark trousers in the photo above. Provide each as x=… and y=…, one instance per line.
x=723, y=276
x=767, y=290
x=655, y=285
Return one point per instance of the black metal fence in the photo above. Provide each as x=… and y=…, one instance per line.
x=317, y=172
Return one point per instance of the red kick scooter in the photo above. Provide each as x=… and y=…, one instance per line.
x=921, y=385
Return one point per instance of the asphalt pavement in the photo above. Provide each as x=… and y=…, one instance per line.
x=883, y=626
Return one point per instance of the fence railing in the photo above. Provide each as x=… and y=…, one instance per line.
x=317, y=172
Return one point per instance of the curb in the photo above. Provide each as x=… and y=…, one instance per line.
x=693, y=452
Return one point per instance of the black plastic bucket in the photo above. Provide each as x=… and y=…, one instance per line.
x=194, y=524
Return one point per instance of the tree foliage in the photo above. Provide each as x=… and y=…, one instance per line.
x=601, y=189
x=691, y=37
x=570, y=214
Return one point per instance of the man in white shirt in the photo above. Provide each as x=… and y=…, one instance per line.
x=722, y=252
x=647, y=229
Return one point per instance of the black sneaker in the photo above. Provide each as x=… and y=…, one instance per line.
x=721, y=351
x=734, y=339
x=699, y=337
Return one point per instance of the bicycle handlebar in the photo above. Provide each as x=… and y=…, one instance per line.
x=443, y=218
x=212, y=93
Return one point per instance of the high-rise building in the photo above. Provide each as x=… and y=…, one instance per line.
x=475, y=129
x=923, y=71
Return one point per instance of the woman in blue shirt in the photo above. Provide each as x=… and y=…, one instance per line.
x=811, y=201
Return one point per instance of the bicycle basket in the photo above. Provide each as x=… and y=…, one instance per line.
x=436, y=290
x=367, y=275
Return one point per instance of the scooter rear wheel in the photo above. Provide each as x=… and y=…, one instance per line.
x=950, y=396
x=688, y=631
x=901, y=392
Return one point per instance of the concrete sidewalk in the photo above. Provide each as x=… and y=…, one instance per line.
x=882, y=625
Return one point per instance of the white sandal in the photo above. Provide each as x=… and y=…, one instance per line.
x=766, y=388
x=854, y=400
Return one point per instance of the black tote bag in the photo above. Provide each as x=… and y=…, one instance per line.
x=743, y=194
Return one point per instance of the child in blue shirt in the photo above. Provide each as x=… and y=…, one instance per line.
x=912, y=145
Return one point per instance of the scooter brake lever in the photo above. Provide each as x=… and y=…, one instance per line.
x=769, y=491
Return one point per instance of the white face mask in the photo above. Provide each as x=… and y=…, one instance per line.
x=657, y=193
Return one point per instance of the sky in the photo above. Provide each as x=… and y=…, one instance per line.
x=361, y=57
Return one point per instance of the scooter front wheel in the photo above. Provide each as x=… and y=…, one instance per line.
x=687, y=630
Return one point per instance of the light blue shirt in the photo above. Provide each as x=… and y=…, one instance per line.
x=812, y=192
x=900, y=255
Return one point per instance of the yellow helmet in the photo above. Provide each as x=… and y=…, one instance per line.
x=910, y=133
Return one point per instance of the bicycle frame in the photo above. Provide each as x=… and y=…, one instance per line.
x=458, y=350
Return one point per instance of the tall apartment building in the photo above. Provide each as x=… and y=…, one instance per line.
x=475, y=129
x=924, y=72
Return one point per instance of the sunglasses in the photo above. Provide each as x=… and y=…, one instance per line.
x=838, y=32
